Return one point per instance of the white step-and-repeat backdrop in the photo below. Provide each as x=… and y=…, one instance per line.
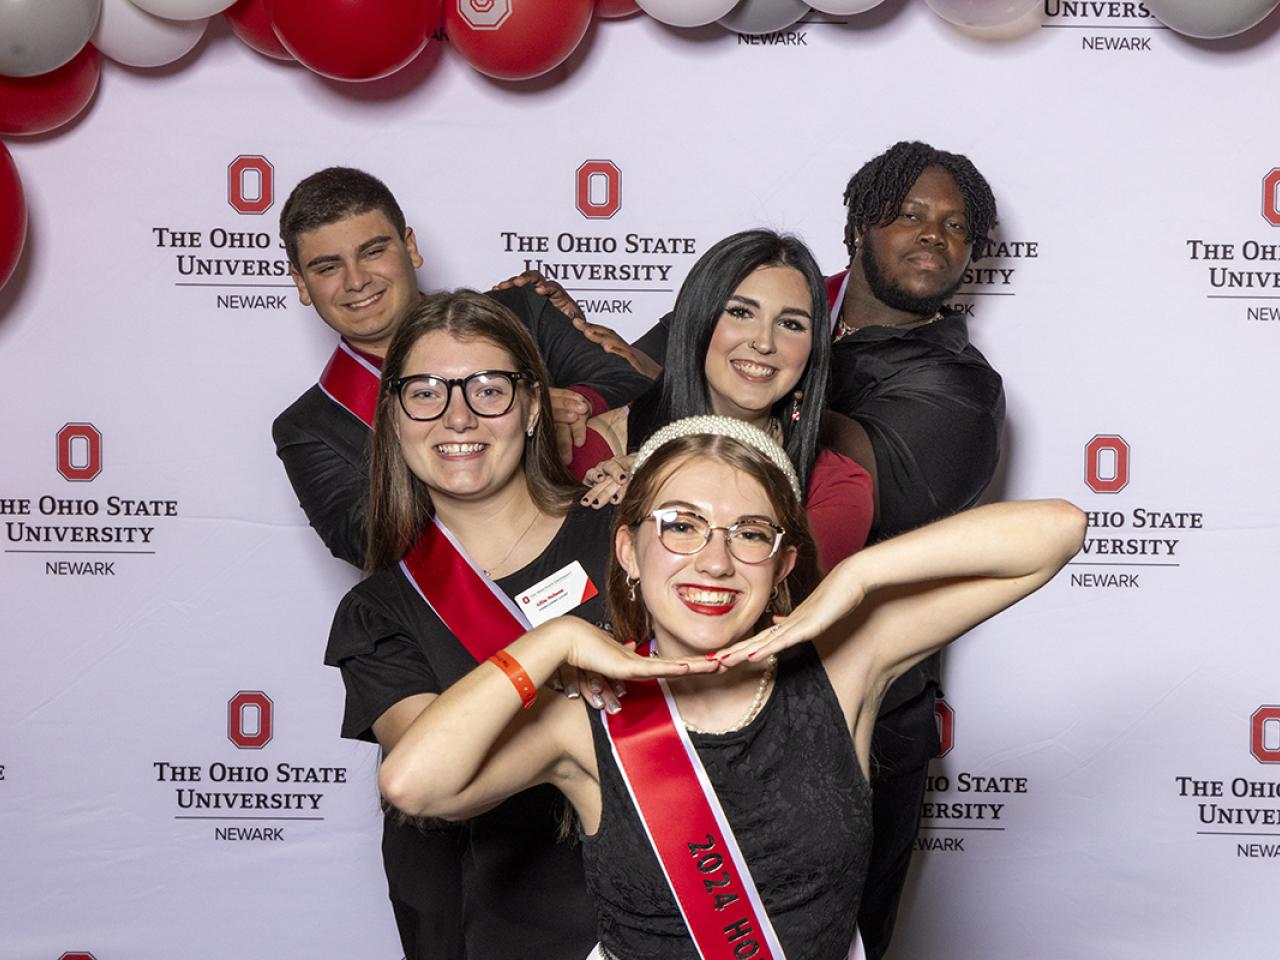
x=171, y=778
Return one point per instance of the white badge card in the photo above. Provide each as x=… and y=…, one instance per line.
x=567, y=588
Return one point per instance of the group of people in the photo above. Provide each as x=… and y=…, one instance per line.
x=620, y=640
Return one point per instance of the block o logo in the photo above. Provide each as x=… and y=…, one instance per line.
x=79, y=452
x=485, y=14
x=1264, y=734
x=77, y=955
x=946, y=719
x=1106, y=464
x=250, y=720
x=1271, y=197
x=599, y=189
x=251, y=184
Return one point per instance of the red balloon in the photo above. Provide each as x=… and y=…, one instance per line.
x=516, y=39
x=13, y=216
x=251, y=21
x=42, y=103
x=616, y=8
x=355, y=39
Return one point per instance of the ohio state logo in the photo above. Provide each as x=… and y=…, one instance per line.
x=598, y=189
x=79, y=452
x=251, y=184
x=250, y=719
x=1264, y=734
x=946, y=720
x=1106, y=464
x=1271, y=197
x=77, y=955
x=485, y=14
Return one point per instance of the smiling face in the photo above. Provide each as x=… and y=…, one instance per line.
x=358, y=273
x=459, y=455
x=703, y=601
x=916, y=261
x=760, y=344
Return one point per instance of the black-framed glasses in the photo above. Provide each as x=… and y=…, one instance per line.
x=487, y=393
x=754, y=540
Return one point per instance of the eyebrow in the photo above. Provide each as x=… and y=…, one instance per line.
x=957, y=212
x=334, y=258
x=692, y=508
x=786, y=311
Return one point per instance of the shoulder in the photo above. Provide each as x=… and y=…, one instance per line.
x=372, y=611
x=523, y=301
x=302, y=410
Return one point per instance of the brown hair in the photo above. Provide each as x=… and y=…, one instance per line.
x=630, y=618
x=399, y=503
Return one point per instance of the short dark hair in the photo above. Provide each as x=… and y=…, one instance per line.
x=683, y=390
x=876, y=191
x=330, y=195
x=399, y=503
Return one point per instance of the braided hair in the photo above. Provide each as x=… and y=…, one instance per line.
x=876, y=191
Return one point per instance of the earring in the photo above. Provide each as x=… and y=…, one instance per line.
x=796, y=399
x=631, y=588
x=529, y=432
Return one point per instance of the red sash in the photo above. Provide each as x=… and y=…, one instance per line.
x=835, y=298
x=687, y=828
x=351, y=381
x=480, y=615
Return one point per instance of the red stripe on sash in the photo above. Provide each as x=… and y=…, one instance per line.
x=687, y=828
x=471, y=605
x=351, y=382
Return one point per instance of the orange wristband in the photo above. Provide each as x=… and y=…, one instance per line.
x=519, y=679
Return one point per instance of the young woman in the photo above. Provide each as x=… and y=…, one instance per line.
x=469, y=503
x=707, y=538
x=748, y=340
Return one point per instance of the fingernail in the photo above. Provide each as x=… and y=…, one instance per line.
x=584, y=501
x=620, y=689
x=613, y=707
x=713, y=656
x=595, y=687
x=595, y=501
x=597, y=702
x=615, y=498
x=572, y=693
x=751, y=655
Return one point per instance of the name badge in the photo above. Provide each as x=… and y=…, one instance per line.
x=559, y=593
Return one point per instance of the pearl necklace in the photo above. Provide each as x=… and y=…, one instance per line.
x=757, y=702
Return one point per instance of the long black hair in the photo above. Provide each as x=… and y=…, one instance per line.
x=683, y=390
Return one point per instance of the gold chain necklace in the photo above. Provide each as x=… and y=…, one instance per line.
x=766, y=678
x=498, y=566
x=844, y=330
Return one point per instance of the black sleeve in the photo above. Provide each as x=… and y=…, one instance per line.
x=330, y=489
x=380, y=663
x=572, y=359
x=936, y=436
x=654, y=342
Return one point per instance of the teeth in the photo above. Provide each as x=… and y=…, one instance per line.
x=754, y=369
x=459, y=449
x=710, y=598
x=365, y=302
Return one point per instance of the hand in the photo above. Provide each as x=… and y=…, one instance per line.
x=570, y=411
x=601, y=692
x=611, y=342
x=834, y=598
x=591, y=649
x=557, y=294
x=608, y=481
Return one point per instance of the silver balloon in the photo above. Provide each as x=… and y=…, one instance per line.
x=135, y=38
x=37, y=36
x=844, y=7
x=982, y=13
x=1211, y=19
x=764, y=16
x=183, y=9
x=686, y=13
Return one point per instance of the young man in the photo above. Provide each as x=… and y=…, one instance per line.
x=914, y=403
x=353, y=259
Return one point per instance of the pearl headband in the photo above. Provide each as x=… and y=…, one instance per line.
x=738, y=430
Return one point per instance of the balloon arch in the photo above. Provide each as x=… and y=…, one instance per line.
x=51, y=50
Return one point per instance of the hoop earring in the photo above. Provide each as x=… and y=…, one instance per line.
x=631, y=588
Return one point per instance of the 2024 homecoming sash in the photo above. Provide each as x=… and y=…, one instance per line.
x=688, y=829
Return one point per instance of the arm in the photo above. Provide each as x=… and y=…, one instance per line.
x=473, y=745
x=653, y=343
x=330, y=490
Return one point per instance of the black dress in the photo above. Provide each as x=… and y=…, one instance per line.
x=800, y=808
x=501, y=885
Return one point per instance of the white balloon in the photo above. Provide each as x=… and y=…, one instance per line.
x=686, y=13
x=842, y=7
x=764, y=16
x=1211, y=20
x=37, y=36
x=982, y=13
x=183, y=9
x=137, y=39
